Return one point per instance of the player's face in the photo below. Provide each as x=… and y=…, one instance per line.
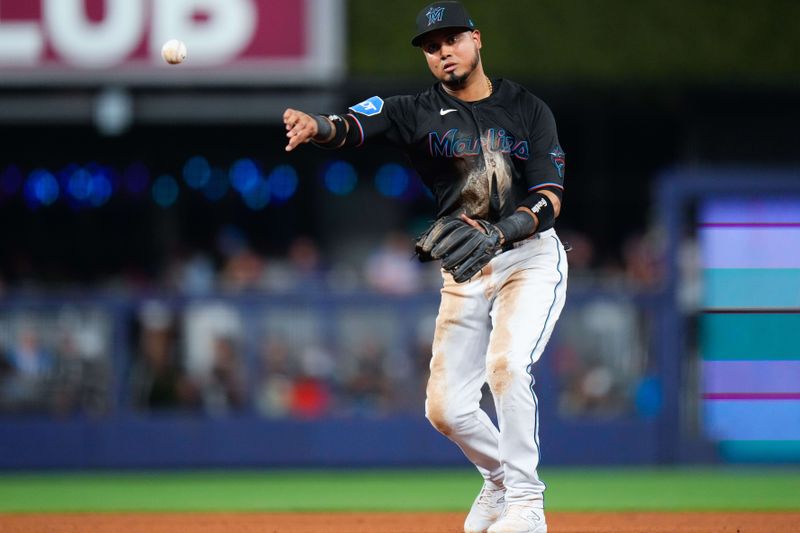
x=452, y=55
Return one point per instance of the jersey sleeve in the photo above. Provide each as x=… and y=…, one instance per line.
x=393, y=118
x=545, y=167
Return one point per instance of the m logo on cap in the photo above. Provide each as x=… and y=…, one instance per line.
x=435, y=15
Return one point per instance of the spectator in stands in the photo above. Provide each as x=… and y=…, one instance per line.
x=243, y=271
x=242, y=268
x=30, y=369
x=300, y=269
x=390, y=270
x=643, y=258
x=311, y=389
x=191, y=273
x=310, y=397
x=157, y=379
x=70, y=379
x=5, y=364
x=27, y=357
x=368, y=387
x=224, y=390
x=274, y=391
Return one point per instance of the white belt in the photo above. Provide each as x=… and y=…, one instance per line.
x=535, y=236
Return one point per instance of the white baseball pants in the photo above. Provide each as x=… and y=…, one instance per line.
x=494, y=329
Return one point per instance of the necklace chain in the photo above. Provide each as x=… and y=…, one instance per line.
x=489, y=82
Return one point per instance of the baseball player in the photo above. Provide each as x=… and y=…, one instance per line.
x=489, y=152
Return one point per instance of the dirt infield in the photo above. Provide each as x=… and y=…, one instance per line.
x=705, y=522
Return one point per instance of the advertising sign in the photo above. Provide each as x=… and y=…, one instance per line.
x=56, y=42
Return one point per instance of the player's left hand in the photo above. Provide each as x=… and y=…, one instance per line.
x=467, y=260
x=464, y=245
x=300, y=128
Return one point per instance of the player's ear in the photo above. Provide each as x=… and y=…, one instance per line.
x=476, y=36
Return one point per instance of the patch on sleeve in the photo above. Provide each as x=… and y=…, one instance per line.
x=369, y=107
x=557, y=157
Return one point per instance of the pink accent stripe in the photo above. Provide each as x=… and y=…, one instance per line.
x=751, y=396
x=360, y=129
x=546, y=185
x=750, y=225
x=753, y=311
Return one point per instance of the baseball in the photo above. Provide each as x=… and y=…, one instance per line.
x=174, y=52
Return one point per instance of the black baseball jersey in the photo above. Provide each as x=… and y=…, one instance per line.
x=482, y=158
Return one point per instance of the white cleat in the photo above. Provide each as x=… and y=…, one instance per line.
x=486, y=508
x=520, y=518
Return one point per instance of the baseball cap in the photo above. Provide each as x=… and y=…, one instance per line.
x=439, y=15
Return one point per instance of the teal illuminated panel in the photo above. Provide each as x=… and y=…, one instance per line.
x=748, y=288
x=779, y=451
x=763, y=337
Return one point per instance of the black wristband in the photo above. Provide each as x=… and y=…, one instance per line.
x=338, y=135
x=542, y=207
x=516, y=227
x=324, y=129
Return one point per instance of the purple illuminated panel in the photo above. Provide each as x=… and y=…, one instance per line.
x=758, y=377
x=749, y=247
x=771, y=211
x=750, y=252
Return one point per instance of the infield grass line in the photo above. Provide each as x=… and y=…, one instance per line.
x=570, y=489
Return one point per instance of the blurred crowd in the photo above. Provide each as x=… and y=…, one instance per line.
x=55, y=362
x=234, y=266
x=231, y=264
x=217, y=357
x=387, y=268
x=219, y=340
x=205, y=359
x=306, y=359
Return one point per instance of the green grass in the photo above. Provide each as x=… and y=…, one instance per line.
x=391, y=490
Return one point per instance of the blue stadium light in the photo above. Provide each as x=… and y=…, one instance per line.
x=92, y=185
x=10, y=180
x=136, y=178
x=65, y=174
x=392, y=180
x=258, y=197
x=196, y=172
x=217, y=186
x=106, y=171
x=165, y=191
x=63, y=178
x=340, y=178
x=42, y=188
x=79, y=184
x=102, y=186
x=283, y=182
x=244, y=175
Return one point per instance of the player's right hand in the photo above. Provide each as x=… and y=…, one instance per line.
x=300, y=128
